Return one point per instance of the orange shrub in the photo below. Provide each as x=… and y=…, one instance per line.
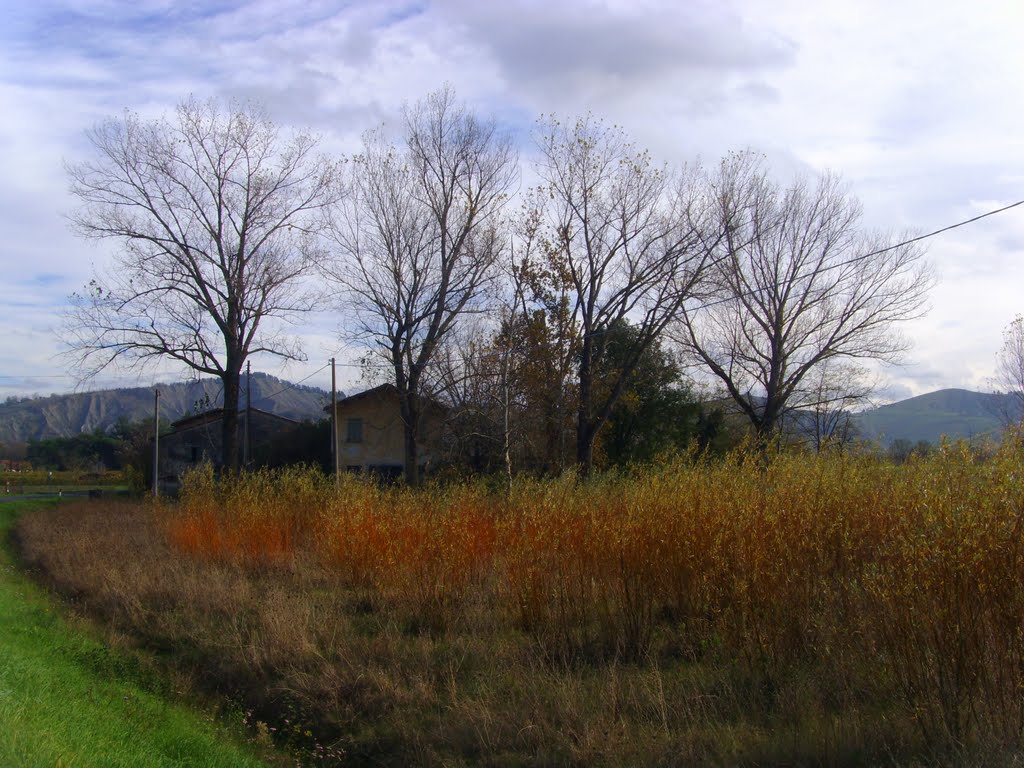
x=911, y=574
x=256, y=518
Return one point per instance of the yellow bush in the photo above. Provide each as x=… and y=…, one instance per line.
x=910, y=574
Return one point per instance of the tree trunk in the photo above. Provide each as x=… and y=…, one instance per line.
x=584, y=428
x=229, y=421
x=506, y=428
x=768, y=426
x=410, y=429
x=585, y=433
x=412, y=466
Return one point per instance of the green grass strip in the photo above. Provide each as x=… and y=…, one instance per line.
x=67, y=700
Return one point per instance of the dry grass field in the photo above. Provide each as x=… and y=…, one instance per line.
x=788, y=609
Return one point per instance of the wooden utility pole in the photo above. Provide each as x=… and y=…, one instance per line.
x=334, y=420
x=156, y=443
x=247, y=435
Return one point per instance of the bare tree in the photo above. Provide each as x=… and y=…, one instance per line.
x=625, y=241
x=797, y=284
x=418, y=239
x=479, y=370
x=836, y=390
x=212, y=208
x=1009, y=376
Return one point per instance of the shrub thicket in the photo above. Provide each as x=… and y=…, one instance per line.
x=874, y=609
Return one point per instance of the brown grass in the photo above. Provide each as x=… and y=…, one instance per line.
x=799, y=610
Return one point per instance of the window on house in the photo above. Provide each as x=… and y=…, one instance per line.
x=195, y=454
x=354, y=430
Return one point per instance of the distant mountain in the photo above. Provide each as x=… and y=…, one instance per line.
x=955, y=413
x=66, y=415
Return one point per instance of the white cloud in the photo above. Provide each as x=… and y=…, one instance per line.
x=917, y=103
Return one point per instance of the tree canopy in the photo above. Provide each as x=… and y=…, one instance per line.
x=796, y=283
x=214, y=212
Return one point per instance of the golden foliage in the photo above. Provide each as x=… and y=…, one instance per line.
x=908, y=577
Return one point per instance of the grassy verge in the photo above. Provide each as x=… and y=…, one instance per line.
x=762, y=610
x=67, y=700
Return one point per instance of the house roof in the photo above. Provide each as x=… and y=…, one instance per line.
x=215, y=414
x=383, y=389
x=388, y=390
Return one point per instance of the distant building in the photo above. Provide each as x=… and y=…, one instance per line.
x=371, y=435
x=197, y=439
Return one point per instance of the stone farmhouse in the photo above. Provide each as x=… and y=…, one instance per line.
x=371, y=434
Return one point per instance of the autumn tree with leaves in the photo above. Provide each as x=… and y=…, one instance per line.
x=620, y=238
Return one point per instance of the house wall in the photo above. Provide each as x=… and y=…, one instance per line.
x=383, y=443
x=186, y=447
x=191, y=445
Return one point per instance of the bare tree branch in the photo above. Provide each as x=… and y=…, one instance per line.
x=1009, y=377
x=796, y=283
x=215, y=213
x=417, y=241
x=627, y=240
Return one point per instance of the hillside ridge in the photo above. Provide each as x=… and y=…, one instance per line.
x=954, y=413
x=39, y=418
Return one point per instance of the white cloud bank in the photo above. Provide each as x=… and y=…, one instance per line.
x=918, y=104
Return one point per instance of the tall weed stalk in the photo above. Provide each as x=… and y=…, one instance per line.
x=908, y=577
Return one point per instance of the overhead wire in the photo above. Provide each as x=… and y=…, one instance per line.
x=292, y=385
x=877, y=252
x=971, y=220
x=827, y=268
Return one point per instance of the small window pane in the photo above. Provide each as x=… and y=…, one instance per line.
x=354, y=431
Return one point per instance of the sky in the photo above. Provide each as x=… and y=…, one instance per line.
x=917, y=104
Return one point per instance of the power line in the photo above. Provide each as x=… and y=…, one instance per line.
x=292, y=385
x=943, y=229
x=863, y=256
x=827, y=268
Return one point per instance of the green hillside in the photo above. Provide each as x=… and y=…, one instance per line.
x=954, y=413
